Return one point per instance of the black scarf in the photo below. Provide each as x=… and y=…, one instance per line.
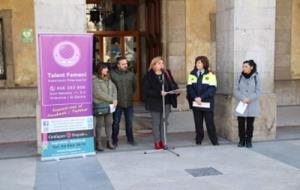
x=247, y=76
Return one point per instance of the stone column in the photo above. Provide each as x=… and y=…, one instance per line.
x=174, y=42
x=56, y=16
x=245, y=30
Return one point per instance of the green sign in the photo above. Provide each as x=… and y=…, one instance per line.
x=27, y=35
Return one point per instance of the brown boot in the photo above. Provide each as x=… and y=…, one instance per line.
x=109, y=145
x=99, y=146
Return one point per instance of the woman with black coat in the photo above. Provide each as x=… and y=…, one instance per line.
x=153, y=92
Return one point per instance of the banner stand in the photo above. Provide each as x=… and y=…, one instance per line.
x=67, y=126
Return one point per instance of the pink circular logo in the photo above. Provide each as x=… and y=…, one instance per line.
x=69, y=135
x=66, y=54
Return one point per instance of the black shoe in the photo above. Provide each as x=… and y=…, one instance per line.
x=132, y=143
x=198, y=142
x=216, y=144
x=99, y=149
x=241, y=144
x=249, y=144
x=115, y=144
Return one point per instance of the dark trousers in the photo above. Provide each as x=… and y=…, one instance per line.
x=246, y=133
x=128, y=112
x=210, y=125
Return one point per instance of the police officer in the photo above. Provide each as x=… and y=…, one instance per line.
x=201, y=89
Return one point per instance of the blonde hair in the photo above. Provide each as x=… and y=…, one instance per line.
x=154, y=61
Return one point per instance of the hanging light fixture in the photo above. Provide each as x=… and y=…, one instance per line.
x=99, y=12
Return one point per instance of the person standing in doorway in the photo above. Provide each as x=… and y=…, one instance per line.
x=126, y=85
x=247, y=90
x=157, y=76
x=201, y=89
x=104, y=91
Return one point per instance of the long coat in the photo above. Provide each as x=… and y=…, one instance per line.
x=126, y=84
x=248, y=88
x=152, y=88
x=103, y=90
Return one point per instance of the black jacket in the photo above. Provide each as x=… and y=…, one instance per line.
x=152, y=88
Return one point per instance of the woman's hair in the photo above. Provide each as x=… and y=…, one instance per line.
x=100, y=66
x=204, y=61
x=154, y=61
x=251, y=63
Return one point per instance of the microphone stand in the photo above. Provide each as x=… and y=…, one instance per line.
x=166, y=147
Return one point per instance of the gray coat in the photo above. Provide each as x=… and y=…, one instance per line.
x=248, y=88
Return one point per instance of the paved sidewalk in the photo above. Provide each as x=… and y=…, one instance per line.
x=273, y=165
x=268, y=166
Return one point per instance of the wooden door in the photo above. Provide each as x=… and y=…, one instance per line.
x=112, y=44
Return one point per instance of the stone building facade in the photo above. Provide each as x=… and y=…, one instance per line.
x=227, y=31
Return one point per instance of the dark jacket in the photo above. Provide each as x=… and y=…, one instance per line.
x=203, y=86
x=152, y=88
x=126, y=85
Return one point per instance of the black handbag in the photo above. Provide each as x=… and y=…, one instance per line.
x=101, y=108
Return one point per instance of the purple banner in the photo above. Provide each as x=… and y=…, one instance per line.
x=66, y=91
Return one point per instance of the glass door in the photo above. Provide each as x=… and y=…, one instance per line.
x=112, y=44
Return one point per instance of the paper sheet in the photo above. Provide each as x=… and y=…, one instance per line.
x=241, y=107
x=202, y=105
x=112, y=108
x=176, y=91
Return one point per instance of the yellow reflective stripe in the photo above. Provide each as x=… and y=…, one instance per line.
x=192, y=79
x=209, y=79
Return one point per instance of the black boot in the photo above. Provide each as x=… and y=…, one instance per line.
x=241, y=143
x=249, y=142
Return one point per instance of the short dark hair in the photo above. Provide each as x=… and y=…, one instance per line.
x=203, y=60
x=120, y=58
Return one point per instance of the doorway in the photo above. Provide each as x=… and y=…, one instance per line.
x=129, y=28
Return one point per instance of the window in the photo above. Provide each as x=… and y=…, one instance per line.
x=2, y=57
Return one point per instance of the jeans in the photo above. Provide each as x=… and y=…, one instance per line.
x=128, y=112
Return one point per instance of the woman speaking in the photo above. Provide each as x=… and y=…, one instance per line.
x=157, y=76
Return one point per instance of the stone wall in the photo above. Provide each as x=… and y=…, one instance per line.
x=24, y=55
x=287, y=45
x=18, y=93
x=175, y=36
x=245, y=31
x=295, y=46
x=188, y=31
x=200, y=28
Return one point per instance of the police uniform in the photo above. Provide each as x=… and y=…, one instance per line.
x=203, y=85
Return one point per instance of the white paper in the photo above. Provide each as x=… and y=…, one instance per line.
x=112, y=108
x=202, y=105
x=241, y=107
x=176, y=91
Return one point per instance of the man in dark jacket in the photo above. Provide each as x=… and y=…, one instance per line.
x=126, y=85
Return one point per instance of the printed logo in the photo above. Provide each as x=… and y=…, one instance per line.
x=66, y=54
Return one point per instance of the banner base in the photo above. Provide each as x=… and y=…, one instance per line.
x=60, y=158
